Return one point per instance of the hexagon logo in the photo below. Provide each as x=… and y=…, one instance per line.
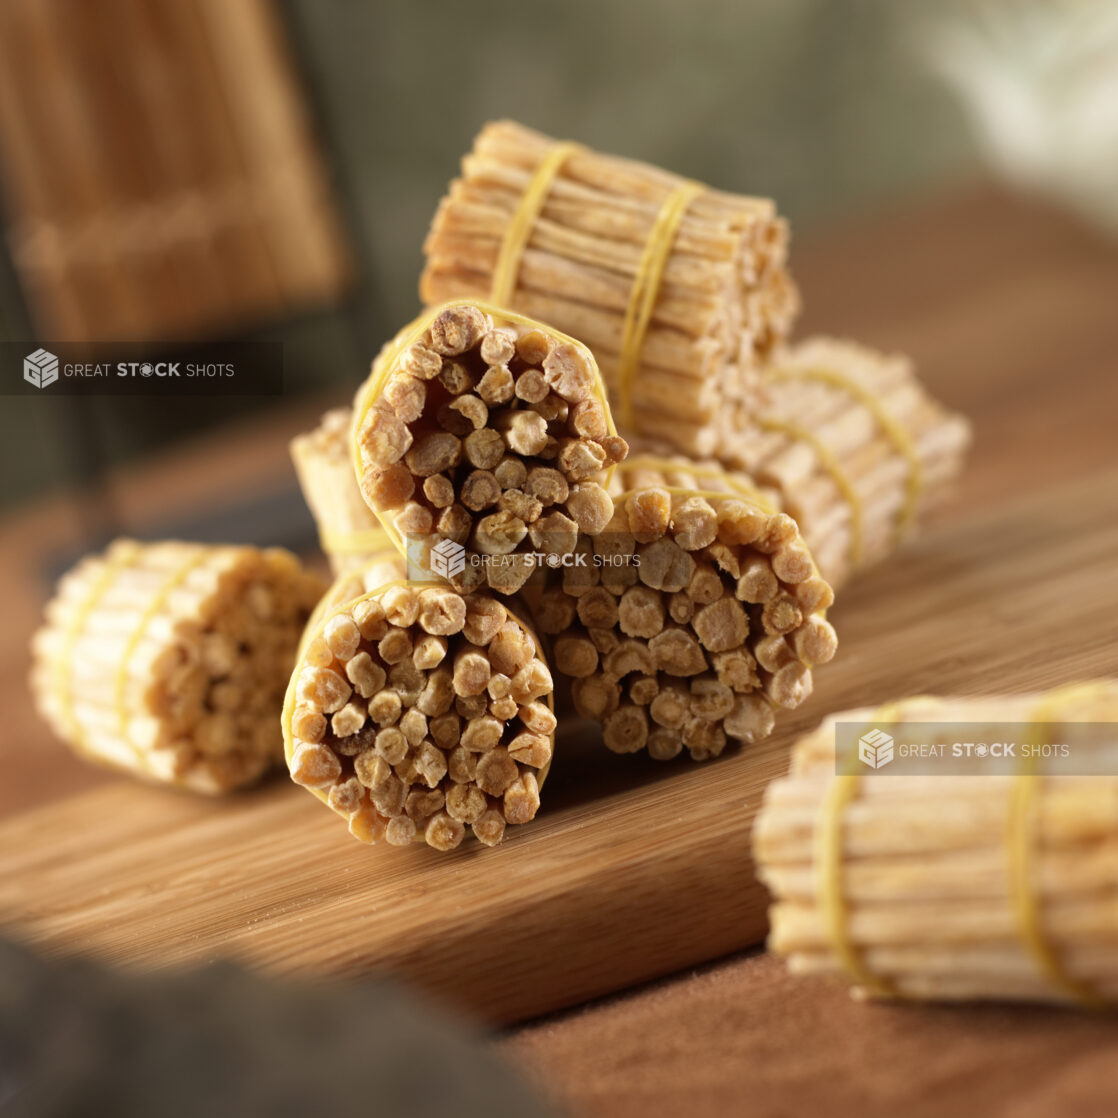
x=448, y=559
x=875, y=749
x=40, y=368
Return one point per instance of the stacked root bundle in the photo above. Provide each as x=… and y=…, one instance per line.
x=169, y=660
x=692, y=618
x=416, y=712
x=677, y=289
x=348, y=531
x=999, y=883
x=485, y=430
x=854, y=446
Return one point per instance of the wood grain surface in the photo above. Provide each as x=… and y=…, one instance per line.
x=635, y=869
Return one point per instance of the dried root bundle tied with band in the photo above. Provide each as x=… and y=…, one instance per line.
x=854, y=445
x=418, y=713
x=485, y=431
x=995, y=884
x=678, y=289
x=169, y=660
x=692, y=619
x=348, y=530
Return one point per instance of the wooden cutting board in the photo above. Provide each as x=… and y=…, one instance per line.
x=633, y=870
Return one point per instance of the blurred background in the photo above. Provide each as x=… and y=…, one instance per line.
x=205, y=170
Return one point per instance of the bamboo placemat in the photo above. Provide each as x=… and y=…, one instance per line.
x=158, y=169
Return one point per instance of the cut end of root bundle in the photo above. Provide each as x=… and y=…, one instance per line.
x=169, y=660
x=491, y=433
x=420, y=714
x=693, y=621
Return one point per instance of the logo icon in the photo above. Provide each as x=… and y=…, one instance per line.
x=875, y=749
x=40, y=368
x=448, y=559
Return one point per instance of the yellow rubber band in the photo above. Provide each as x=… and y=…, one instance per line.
x=646, y=286
x=842, y=791
x=519, y=229
x=1022, y=841
x=385, y=364
x=126, y=553
x=829, y=844
x=316, y=628
x=366, y=541
x=896, y=432
x=833, y=467
x=177, y=578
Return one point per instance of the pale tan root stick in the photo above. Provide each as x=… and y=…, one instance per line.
x=169, y=660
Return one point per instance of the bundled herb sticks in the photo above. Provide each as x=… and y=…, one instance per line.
x=679, y=290
x=416, y=712
x=170, y=660
x=697, y=615
x=853, y=447
x=488, y=431
x=683, y=296
x=995, y=883
x=597, y=430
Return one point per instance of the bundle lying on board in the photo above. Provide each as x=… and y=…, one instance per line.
x=854, y=447
x=415, y=712
x=490, y=431
x=679, y=290
x=348, y=531
x=977, y=885
x=696, y=614
x=169, y=660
